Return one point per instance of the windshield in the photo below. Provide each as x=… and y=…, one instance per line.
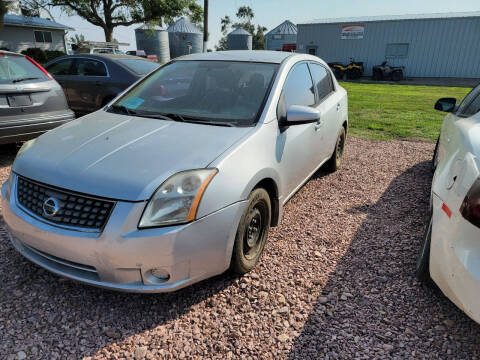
x=140, y=67
x=214, y=91
x=15, y=69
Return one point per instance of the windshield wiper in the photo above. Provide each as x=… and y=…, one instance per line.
x=24, y=79
x=123, y=109
x=185, y=119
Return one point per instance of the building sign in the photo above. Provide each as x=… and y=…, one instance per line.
x=353, y=32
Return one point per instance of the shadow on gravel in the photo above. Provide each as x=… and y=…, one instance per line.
x=7, y=154
x=371, y=305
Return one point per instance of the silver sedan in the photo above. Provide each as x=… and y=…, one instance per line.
x=181, y=176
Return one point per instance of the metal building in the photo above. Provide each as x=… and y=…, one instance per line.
x=428, y=45
x=285, y=33
x=184, y=38
x=239, y=39
x=154, y=40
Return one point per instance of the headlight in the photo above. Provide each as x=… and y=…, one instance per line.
x=176, y=200
x=26, y=145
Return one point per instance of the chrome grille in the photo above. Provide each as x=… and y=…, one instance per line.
x=75, y=210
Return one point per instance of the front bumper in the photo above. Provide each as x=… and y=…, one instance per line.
x=122, y=256
x=455, y=259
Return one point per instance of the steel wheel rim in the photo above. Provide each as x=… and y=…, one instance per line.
x=254, y=231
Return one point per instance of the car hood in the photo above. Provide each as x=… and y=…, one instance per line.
x=122, y=157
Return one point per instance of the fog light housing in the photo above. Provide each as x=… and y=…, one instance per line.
x=159, y=275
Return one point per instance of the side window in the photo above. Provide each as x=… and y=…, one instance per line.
x=62, y=67
x=89, y=67
x=471, y=104
x=322, y=81
x=298, y=88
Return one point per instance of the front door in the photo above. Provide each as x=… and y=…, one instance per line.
x=88, y=85
x=296, y=145
x=62, y=71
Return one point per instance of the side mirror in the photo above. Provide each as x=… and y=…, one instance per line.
x=446, y=104
x=298, y=114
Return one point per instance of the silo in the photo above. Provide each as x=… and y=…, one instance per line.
x=184, y=38
x=285, y=33
x=239, y=39
x=154, y=40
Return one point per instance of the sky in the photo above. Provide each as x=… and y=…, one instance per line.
x=271, y=13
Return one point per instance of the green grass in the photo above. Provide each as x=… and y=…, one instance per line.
x=385, y=112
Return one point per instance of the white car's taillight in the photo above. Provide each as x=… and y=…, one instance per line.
x=470, y=208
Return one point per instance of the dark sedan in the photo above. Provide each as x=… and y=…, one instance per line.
x=90, y=81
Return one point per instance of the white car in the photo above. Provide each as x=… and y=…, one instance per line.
x=450, y=254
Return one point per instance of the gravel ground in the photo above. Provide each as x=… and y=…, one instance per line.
x=336, y=281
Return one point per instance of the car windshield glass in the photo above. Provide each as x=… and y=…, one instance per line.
x=212, y=91
x=15, y=69
x=138, y=66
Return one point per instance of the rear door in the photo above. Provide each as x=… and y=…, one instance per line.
x=88, y=84
x=329, y=103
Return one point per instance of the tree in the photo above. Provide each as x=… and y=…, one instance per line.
x=245, y=16
x=258, y=39
x=245, y=13
x=108, y=14
x=77, y=38
x=33, y=7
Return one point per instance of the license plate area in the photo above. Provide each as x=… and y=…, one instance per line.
x=19, y=100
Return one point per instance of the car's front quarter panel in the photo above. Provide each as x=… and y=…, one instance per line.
x=241, y=168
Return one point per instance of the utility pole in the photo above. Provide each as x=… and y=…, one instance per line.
x=205, y=25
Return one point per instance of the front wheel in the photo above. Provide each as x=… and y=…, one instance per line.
x=435, y=156
x=422, y=270
x=333, y=164
x=252, y=232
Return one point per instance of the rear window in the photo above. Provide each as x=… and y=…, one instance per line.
x=140, y=67
x=15, y=69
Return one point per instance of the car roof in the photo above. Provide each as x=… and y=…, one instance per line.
x=242, y=55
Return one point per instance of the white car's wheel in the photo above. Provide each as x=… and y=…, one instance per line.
x=423, y=261
x=435, y=156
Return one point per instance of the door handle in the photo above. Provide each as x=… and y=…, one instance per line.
x=318, y=125
x=338, y=107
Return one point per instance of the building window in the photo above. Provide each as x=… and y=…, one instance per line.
x=396, y=51
x=43, y=36
x=277, y=37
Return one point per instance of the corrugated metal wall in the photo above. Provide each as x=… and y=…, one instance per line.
x=239, y=42
x=276, y=44
x=437, y=47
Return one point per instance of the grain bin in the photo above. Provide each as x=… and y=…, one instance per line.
x=285, y=33
x=185, y=38
x=239, y=39
x=154, y=40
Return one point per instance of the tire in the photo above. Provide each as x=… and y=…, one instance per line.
x=377, y=75
x=435, y=156
x=397, y=76
x=422, y=270
x=333, y=164
x=252, y=232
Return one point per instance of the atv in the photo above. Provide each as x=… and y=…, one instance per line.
x=353, y=71
x=385, y=72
